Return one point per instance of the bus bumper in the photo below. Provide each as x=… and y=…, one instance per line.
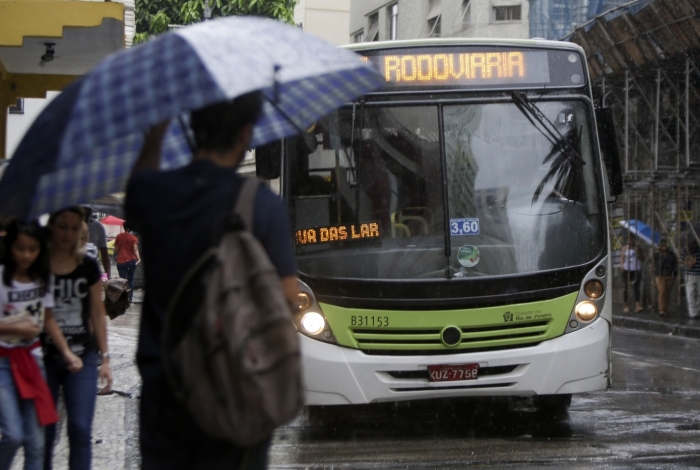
x=573, y=363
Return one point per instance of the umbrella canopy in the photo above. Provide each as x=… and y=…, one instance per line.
x=86, y=141
x=111, y=220
x=642, y=231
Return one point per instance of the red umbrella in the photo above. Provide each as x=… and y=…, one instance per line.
x=111, y=220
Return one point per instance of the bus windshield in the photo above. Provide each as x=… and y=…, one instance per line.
x=458, y=191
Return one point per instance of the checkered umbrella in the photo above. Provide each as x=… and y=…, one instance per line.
x=86, y=141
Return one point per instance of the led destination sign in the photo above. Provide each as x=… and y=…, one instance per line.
x=337, y=233
x=477, y=66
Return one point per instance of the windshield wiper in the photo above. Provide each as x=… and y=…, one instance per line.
x=548, y=129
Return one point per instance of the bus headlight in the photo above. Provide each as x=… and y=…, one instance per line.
x=313, y=323
x=303, y=301
x=594, y=289
x=309, y=318
x=586, y=311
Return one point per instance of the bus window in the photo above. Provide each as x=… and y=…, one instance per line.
x=389, y=174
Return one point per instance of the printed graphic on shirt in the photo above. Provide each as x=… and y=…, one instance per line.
x=30, y=301
x=69, y=295
x=68, y=312
x=21, y=302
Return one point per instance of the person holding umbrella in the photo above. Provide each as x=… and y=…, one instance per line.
x=178, y=214
x=92, y=137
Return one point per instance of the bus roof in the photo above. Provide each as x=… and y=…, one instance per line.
x=540, y=43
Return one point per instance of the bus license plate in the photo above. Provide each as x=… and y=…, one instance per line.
x=449, y=373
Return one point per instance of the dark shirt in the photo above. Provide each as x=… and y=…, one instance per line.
x=72, y=307
x=665, y=264
x=178, y=215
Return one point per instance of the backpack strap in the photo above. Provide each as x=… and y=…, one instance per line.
x=246, y=202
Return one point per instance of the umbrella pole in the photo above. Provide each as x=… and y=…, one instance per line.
x=626, y=246
x=678, y=239
x=653, y=257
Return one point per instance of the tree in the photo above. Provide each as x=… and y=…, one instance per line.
x=154, y=16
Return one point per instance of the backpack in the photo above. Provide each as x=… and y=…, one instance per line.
x=235, y=364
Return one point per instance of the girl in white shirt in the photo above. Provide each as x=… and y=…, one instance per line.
x=26, y=302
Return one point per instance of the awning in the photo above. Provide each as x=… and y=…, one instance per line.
x=80, y=33
x=644, y=33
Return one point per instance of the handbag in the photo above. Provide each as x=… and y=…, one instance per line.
x=116, y=297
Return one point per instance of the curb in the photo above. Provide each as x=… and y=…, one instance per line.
x=676, y=329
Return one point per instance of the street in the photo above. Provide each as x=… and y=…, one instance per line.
x=650, y=419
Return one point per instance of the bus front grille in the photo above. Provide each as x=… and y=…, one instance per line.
x=386, y=341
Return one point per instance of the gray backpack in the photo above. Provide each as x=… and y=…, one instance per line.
x=235, y=363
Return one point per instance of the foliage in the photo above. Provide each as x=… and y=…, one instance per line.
x=154, y=16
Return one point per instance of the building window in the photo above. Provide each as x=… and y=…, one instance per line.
x=18, y=107
x=465, y=14
x=435, y=27
x=509, y=13
x=358, y=36
x=393, y=19
x=373, y=27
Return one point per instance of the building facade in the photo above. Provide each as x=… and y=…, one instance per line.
x=328, y=19
x=556, y=19
x=78, y=34
x=379, y=20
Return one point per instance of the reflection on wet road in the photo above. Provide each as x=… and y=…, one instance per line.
x=649, y=419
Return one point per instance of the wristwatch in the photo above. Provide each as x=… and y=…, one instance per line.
x=106, y=355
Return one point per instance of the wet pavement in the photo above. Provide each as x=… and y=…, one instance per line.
x=650, y=419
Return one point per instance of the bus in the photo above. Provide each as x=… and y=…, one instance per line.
x=450, y=229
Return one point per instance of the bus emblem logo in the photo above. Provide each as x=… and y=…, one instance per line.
x=508, y=316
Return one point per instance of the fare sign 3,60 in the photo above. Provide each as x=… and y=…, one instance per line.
x=453, y=372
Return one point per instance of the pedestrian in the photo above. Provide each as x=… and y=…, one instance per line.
x=26, y=302
x=126, y=248
x=80, y=313
x=692, y=278
x=632, y=260
x=665, y=271
x=90, y=248
x=178, y=215
x=97, y=235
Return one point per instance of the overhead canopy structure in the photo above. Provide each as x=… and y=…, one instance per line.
x=80, y=33
x=644, y=58
x=639, y=34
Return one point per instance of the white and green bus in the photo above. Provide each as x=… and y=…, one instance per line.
x=451, y=229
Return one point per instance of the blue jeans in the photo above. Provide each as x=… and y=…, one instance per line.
x=127, y=271
x=19, y=424
x=80, y=394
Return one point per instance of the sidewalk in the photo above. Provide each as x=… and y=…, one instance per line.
x=675, y=323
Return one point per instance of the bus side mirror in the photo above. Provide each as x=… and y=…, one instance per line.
x=268, y=161
x=608, y=145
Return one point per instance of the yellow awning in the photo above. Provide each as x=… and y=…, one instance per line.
x=81, y=34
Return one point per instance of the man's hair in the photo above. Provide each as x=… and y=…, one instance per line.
x=216, y=127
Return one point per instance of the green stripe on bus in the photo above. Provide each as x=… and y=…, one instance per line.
x=420, y=330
